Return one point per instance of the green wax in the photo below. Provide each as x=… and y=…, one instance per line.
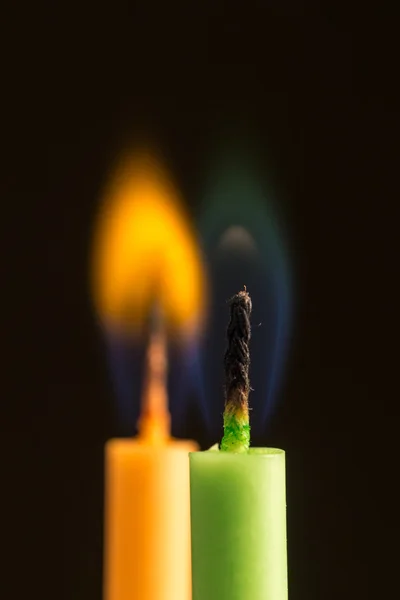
x=238, y=521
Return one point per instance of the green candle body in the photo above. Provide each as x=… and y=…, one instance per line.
x=238, y=520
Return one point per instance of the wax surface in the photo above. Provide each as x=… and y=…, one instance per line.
x=147, y=526
x=238, y=521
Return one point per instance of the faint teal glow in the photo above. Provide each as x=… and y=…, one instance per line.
x=245, y=244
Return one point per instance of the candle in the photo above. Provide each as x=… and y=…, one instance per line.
x=144, y=259
x=238, y=505
x=147, y=544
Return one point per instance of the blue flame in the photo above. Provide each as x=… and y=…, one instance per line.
x=126, y=360
x=244, y=245
x=126, y=356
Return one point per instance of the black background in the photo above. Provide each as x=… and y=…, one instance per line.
x=317, y=91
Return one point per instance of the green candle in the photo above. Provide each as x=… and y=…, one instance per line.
x=238, y=504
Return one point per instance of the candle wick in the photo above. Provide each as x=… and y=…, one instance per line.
x=237, y=383
x=154, y=421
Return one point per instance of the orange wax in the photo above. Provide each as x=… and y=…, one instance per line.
x=147, y=539
x=147, y=526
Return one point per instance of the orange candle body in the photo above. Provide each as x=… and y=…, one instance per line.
x=147, y=522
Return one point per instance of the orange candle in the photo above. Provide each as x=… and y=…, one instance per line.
x=145, y=256
x=147, y=540
x=147, y=552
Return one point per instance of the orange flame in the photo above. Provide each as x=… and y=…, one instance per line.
x=145, y=253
